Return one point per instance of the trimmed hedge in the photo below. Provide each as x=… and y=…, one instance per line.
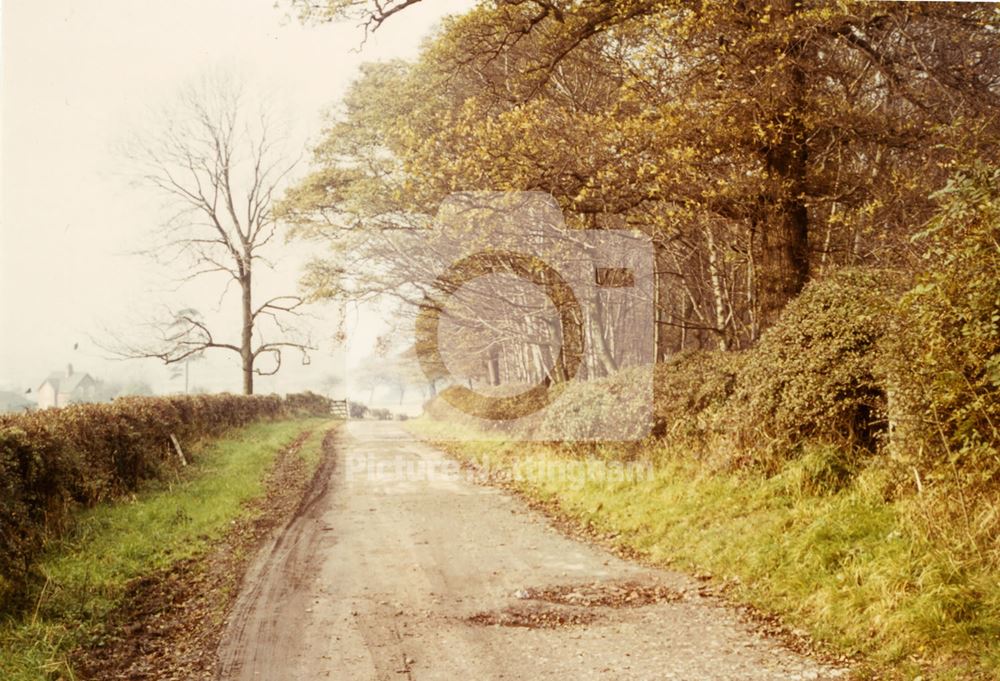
x=307, y=404
x=55, y=460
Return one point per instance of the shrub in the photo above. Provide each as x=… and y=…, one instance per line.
x=617, y=406
x=686, y=389
x=690, y=389
x=945, y=364
x=815, y=374
x=498, y=415
x=54, y=460
x=946, y=354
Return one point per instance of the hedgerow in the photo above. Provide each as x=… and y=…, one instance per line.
x=306, y=404
x=944, y=361
x=56, y=460
x=947, y=348
x=456, y=405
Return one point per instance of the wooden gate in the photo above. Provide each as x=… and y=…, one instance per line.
x=339, y=409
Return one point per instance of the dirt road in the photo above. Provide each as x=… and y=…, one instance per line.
x=389, y=576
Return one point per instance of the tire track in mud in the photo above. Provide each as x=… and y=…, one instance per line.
x=275, y=580
x=169, y=626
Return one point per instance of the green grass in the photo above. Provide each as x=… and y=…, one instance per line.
x=88, y=570
x=845, y=565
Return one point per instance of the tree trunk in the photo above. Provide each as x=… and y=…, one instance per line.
x=661, y=304
x=493, y=365
x=246, y=338
x=718, y=296
x=751, y=283
x=784, y=259
x=784, y=229
x=604, y=354
x=685, y=318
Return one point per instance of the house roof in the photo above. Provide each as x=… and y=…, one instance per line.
x=62, y=383
x=53, y=380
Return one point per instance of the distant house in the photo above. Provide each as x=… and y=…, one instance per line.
x=13, y=402
x=60, y=389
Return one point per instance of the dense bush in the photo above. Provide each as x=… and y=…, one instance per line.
x=815, y=374
x=453, y=403
x=946, y=355
x=380, y=414
x=944, y=361
x=690, y=389
x=618, y=407
x=615, y=407
x=687, y=390
x=54, y=460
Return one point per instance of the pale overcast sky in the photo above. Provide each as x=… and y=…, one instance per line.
x=76, y=78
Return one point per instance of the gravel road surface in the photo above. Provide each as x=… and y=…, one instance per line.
x=389, y=572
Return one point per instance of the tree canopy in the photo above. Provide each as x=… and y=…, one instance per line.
x=758, y=144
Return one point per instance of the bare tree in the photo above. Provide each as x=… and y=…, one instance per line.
x=216, y=161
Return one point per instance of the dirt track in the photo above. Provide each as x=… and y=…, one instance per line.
x=389, y=577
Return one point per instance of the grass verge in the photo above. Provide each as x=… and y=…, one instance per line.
x=87, y=573
x=848, y=567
